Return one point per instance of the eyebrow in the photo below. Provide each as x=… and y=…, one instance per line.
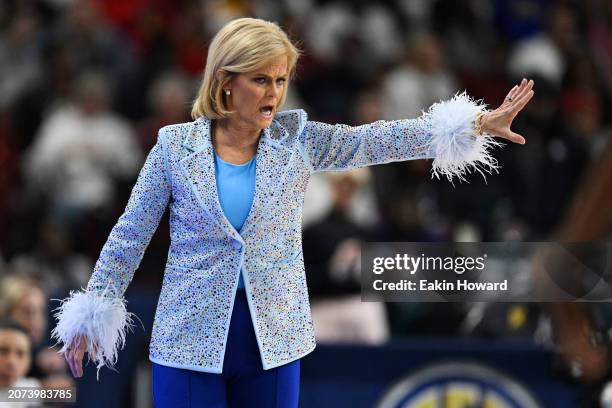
x=283, y=76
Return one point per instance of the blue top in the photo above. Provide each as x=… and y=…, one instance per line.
x=236, y=188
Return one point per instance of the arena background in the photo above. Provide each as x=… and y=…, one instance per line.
x=86, y=84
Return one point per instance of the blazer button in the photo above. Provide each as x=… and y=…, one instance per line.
x=236, y=244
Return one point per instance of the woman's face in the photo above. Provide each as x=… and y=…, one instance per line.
x=15, y=356
x=254, y=96
x=30, y=312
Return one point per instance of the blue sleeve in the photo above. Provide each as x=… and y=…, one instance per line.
x=445, y=133
x=342, y=147
x=127, y=241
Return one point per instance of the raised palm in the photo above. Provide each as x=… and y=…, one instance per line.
x=497, y=122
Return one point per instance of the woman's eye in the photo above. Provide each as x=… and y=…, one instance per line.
x=260, y=80
x=280, y=81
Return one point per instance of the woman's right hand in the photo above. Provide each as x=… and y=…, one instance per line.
x=74, y=356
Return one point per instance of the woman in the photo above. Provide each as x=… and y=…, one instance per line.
x=233, y=314
x=24, y=300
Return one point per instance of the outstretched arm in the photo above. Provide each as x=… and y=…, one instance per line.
x=96, y=320
x=458, y=134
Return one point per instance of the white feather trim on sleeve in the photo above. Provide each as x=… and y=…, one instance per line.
x=456, y=149
x=103, y=319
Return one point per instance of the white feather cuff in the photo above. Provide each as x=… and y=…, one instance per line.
x=456, y=149
x=101, y=318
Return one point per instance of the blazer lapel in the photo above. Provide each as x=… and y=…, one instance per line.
x=199, y=168
x=269, y=169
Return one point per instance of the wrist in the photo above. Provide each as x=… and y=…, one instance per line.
x=479, y=123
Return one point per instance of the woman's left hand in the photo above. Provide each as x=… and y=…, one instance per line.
x=498, y=121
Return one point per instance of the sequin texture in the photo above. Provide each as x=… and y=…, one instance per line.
x=206, y=253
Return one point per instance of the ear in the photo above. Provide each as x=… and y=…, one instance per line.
x=221, y=76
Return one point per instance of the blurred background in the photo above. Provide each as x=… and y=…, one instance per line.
x=86, y=84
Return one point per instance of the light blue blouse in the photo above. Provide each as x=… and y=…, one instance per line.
x=236, y=188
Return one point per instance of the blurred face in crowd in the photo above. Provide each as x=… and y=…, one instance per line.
x=428, y=54
x=15, y=356
x=30, y=312
x=563, y=26
x=54, y=239
x=368, y=108
x=255, y=95
x=344, y=189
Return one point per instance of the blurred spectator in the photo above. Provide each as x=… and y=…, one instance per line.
x=68, y=159
x=420, y=80
x=469, y=37
x=547, y=53
x=24, y=301
x=189, y=37
x=380, y=33
x=53, y=262
x=169, y=101
x=10, y=175
x=583, y=102
x=519, y=19
x=81, y=149
x=600, y=40
x=320, y=196
x=88, y=43
x=476, y=51
x=368, y=107
x=20, y=58
x=524, y=202
x=327, y=237
x=331, y=88
x=15, y=361
x=219, y=12
x=330, y=23
x=332, y=250
x=373, y=25
x=144, y=21
x=569, y=150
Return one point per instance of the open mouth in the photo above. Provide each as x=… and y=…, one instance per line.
x=267, y=111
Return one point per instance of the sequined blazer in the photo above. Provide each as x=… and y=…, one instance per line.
x=207, y=254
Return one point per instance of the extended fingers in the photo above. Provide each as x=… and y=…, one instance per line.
x=74, y=357
x=518, y=91
x=524, y=89
x=511, y=94
x=71, y=363
x=79, y=362
x=522, y=101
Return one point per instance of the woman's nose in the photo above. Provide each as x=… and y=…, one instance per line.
x=274, y=90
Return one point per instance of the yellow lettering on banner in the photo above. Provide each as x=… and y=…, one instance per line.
x=461, y=396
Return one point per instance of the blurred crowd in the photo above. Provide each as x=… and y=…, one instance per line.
x=86, y=84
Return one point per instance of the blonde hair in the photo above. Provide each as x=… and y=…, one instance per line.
x=242, y=45
x=12, y=289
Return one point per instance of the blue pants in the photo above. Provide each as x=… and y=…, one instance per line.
x=243, y=383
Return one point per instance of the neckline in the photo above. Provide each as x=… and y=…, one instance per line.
x=246, y=163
